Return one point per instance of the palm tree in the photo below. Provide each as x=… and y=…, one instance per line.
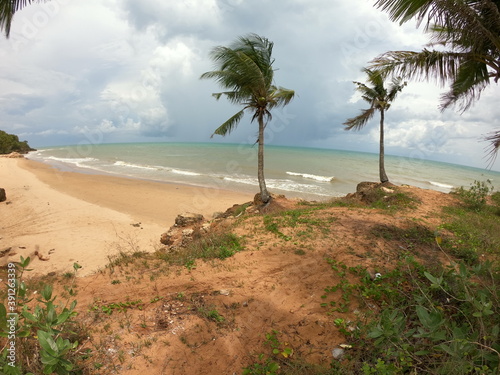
x=245, y=69
x=7, y=10
x=468, y=34
x=380, y=99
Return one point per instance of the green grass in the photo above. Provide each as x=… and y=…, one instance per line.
x=304, y=222
x=477, y=232
x=210, y=246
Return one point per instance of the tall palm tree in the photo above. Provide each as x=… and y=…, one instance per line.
x=468, y=34
x=245, y=69
x=7, y=10
x=380, y=99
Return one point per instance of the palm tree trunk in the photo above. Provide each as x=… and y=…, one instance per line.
x=264, y=194
x=381, y=167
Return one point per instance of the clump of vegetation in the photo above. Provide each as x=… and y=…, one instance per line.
x=39, y=338
x=475, y=225
x=118, y=306
x=10, y=143
x=420, y=321
x=210, y=246
x=302, y=221
x=476, y=196
x=280, y=355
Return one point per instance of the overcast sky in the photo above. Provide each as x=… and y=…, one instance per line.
x=104, y=71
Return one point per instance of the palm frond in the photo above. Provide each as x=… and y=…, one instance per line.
x=7, y=10
x=280, y=97
x=368, y=94
x=404, y=10
x=228, y=126
x=428, y=65
x=259, y=50
x=492, y=151
x=395, y=88
x=358, y=122
x=471, y=79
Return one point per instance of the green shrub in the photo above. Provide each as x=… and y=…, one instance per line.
x=475, y=197
x=39, y=338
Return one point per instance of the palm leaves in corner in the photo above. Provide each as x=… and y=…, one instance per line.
x=468, y=34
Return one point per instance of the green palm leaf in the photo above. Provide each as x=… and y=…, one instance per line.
x=229, y=125
x=358, y=122
x=468, y=32
x=7, y=10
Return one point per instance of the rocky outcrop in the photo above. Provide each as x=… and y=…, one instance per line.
x=187, y=219
x=187, y=227
x=369, y=192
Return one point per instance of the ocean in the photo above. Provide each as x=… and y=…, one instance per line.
x=312, y=174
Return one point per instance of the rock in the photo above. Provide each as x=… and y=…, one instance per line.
x=387, y=190
x=14, y=154
x=187, y=232
x=188, y=218
x=338, y=353
x=5, y=251
x=218, y=215
x=166, y=239
x=206, y=227
x=365, y=186
x=3, y=196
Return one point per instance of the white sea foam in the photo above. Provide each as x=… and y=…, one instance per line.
x=312, y=176
x=281, y=184
x=242, y=180
x=186, y=173
x=79, y=162
x=130, y=165
x=441, y=185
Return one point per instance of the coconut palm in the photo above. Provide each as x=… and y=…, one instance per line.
x=245, y=69
x=467, y=33
x=7, y=10
x=380, y=99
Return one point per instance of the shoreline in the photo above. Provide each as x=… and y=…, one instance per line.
x=108, y=190
x=72, y=217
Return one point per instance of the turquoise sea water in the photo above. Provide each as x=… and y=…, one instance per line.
x=296, y=172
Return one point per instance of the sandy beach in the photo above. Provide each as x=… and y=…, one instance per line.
x=72, y=217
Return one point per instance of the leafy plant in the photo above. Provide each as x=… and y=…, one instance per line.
x=44, y=340
x=434, y=322
x=109, y=308
x=475, y=197
x=270, y=364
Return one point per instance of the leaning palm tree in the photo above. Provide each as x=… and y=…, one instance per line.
x=7, y=10
x=245, y=69
x=380, y=99
x=468, y=34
